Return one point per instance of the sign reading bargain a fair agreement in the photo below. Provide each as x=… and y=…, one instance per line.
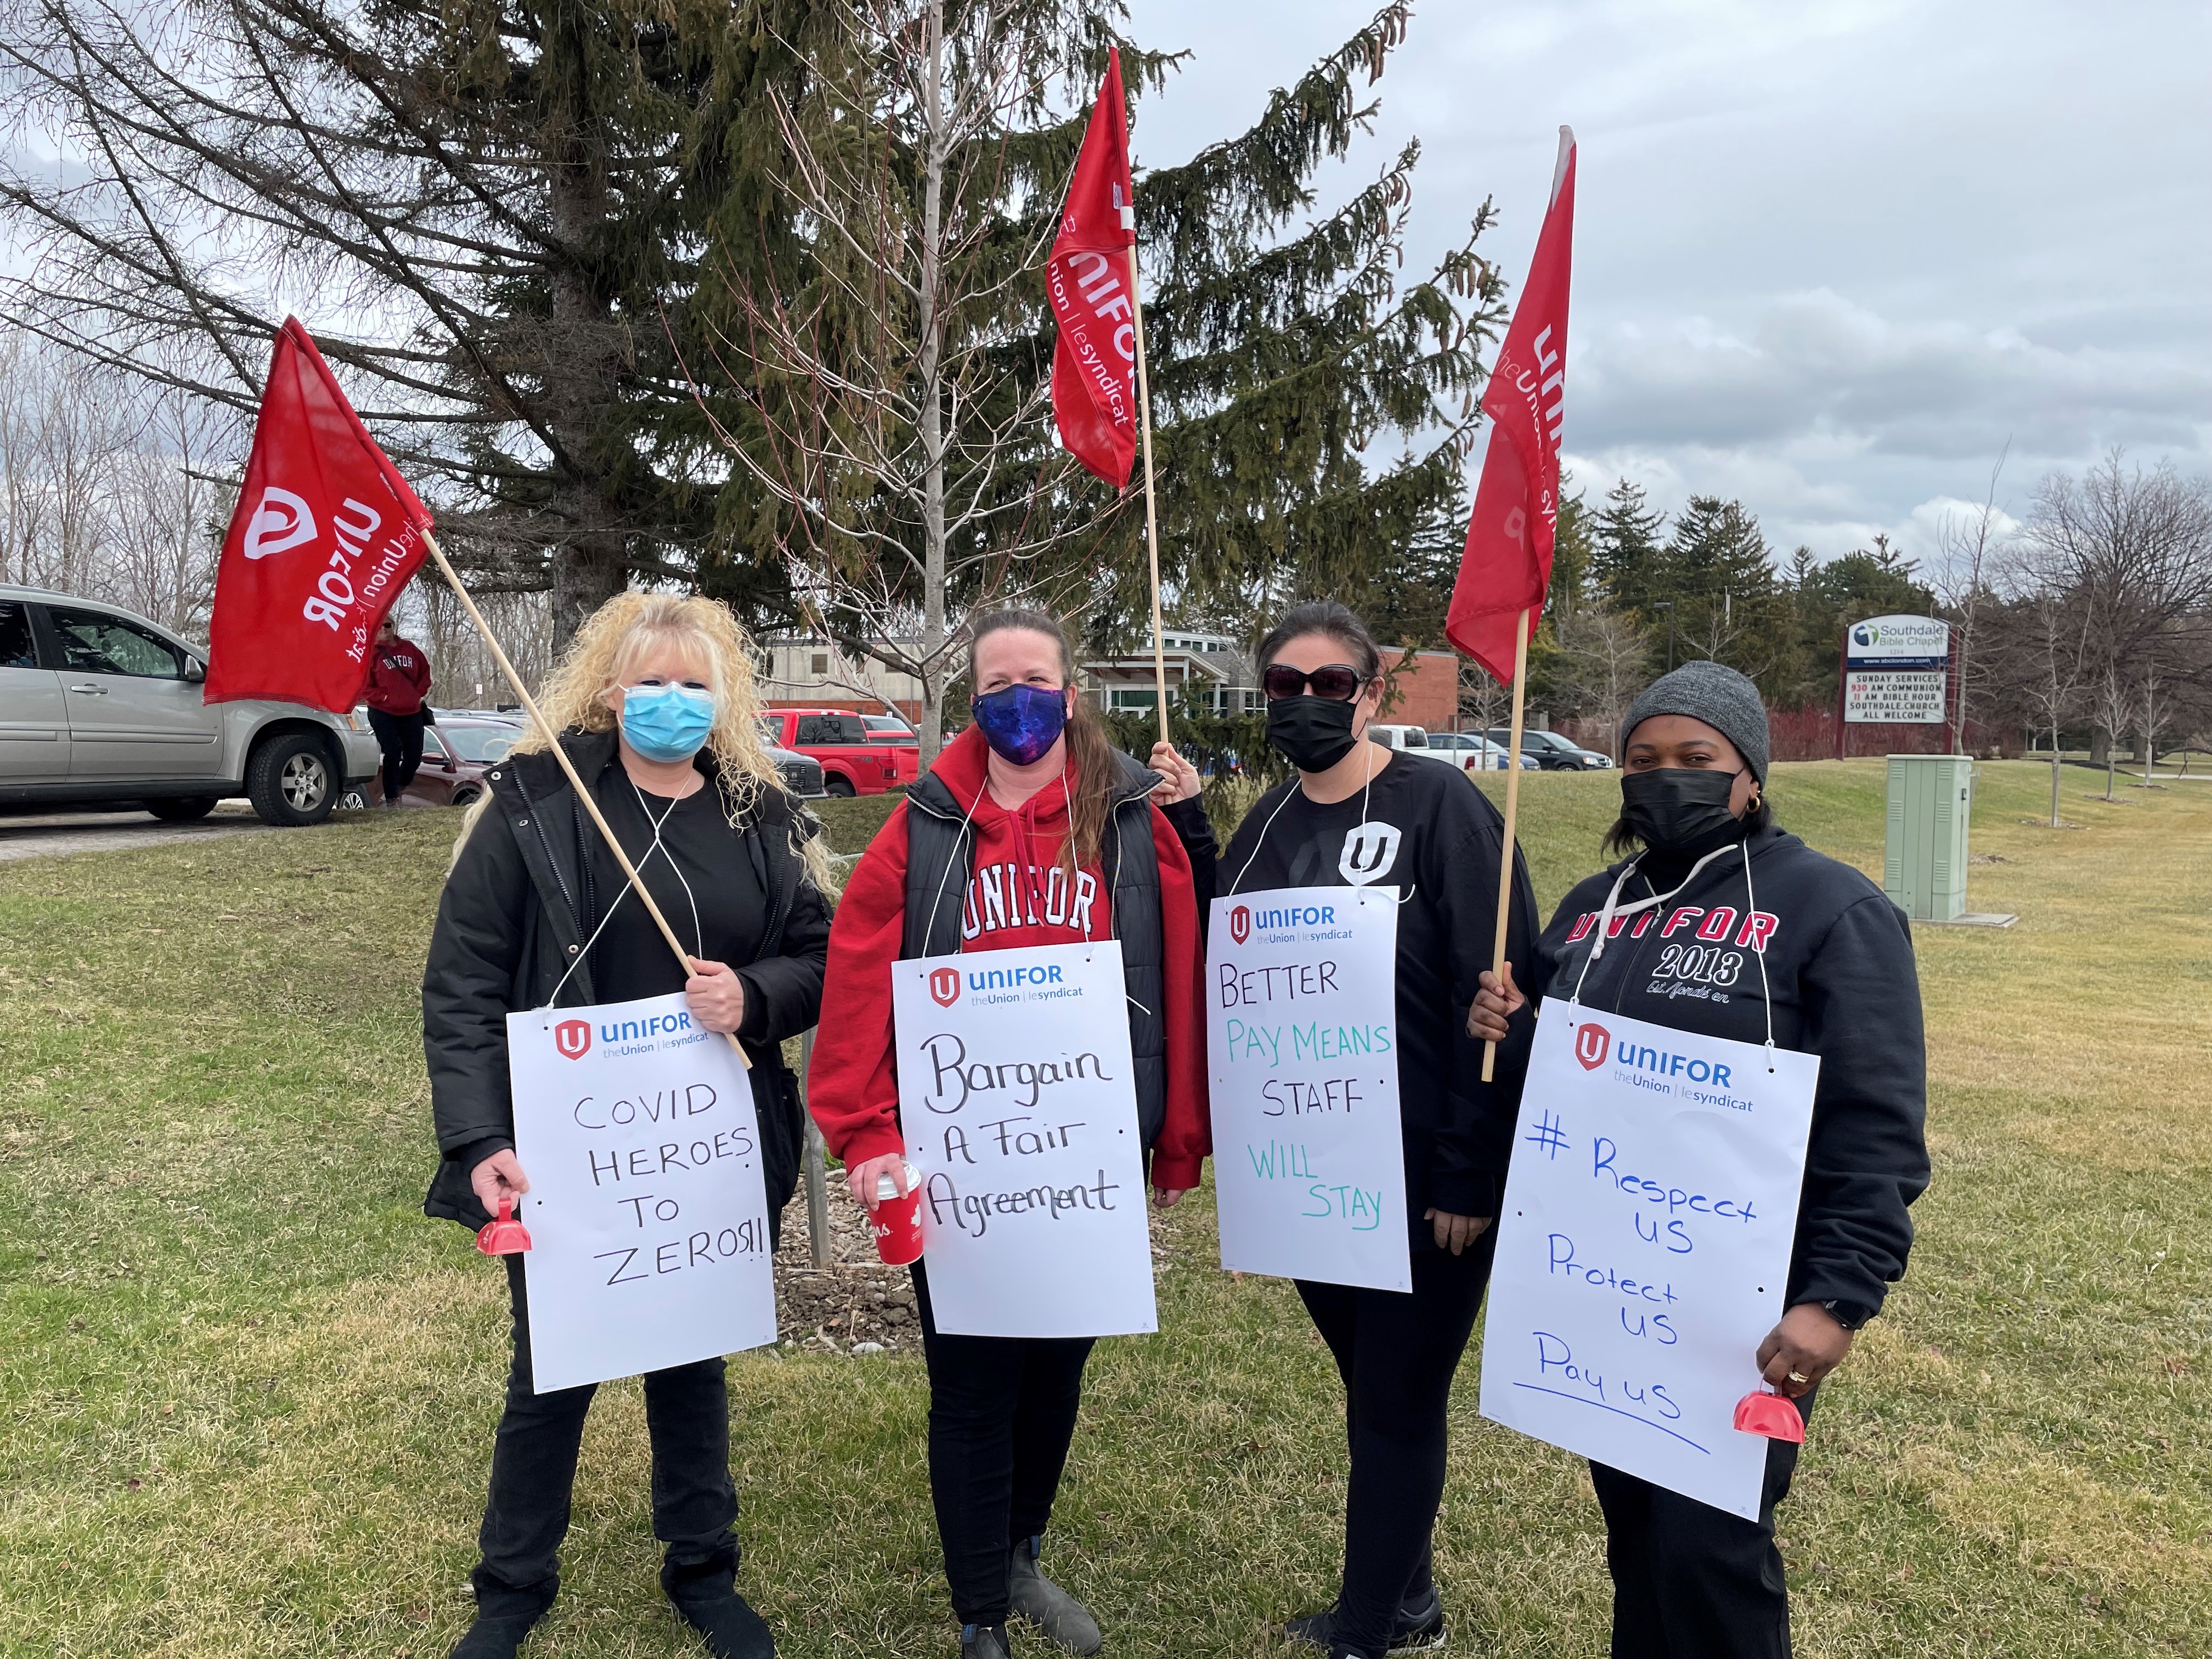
x=1644, y=1245
x=647, y=1210
x=1019, y=1102
x=1302, y=1047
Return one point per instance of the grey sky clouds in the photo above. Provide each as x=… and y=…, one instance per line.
x=1829, y=258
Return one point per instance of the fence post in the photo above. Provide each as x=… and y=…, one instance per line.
x=816, y=1164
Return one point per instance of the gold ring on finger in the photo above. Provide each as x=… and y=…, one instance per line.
x=1799, y=1377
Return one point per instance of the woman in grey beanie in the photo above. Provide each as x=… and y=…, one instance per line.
x=1721, y=923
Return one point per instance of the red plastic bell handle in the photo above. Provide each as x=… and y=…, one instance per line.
x=1769, y=1414
x=504, y=1235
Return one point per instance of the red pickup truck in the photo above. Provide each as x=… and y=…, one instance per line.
x=854, y=760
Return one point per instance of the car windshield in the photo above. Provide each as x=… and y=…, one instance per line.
x=480, y=743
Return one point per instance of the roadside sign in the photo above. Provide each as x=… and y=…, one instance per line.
x=1896, y=671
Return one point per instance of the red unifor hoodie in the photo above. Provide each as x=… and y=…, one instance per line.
x=852, y=1089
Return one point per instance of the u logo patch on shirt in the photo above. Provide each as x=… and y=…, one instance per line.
x=1369, y=853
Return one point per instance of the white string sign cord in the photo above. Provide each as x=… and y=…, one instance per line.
x=698, y=934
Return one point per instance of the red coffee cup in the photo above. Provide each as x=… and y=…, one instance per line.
x=895, y=1218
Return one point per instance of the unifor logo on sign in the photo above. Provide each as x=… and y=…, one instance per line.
x=1592, y=1041
x=1240, y=923
x=944, y=986
x=573, y=1037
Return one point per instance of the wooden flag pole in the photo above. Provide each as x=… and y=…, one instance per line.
x=1151, y=515
x=1512, y=810
x=568, y=767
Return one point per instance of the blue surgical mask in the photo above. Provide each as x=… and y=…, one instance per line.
x=1022, y=722
x=667, y=722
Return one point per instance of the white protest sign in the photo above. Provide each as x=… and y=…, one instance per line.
x=1302, y=1047
x=1642, y=1247
x=648, y=1212
x=1019, y=1101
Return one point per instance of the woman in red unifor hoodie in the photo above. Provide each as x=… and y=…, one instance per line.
x=1031, y=829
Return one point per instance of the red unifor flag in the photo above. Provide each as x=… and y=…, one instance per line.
x=325, y=534
x=1094, y=398
x=1508, y=562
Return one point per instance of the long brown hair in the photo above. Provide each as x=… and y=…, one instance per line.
x=1088, y=746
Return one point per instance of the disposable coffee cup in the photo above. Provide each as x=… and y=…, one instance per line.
x=895, y=1219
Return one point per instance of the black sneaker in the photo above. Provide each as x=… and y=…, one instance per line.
x=983, y=1642
x=727, y=1623
x=1418, y=1627
x=493, y=1637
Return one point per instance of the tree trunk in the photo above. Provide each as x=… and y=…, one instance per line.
x=2054, y=775
x=931, y=394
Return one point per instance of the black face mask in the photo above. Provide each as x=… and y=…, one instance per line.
x=1312, y=733
x=1680, y=809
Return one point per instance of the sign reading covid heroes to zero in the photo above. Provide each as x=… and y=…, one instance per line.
x=647, y=1208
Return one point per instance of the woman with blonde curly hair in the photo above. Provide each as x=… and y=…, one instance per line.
x=655, y=708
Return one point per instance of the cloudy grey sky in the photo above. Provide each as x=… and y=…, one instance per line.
x=1829, y=258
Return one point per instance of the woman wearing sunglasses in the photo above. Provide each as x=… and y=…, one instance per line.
x=1359, y=815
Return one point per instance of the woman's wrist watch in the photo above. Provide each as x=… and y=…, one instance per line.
x=1850, y=1314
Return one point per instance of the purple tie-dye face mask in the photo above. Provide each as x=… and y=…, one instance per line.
x=1022, y=722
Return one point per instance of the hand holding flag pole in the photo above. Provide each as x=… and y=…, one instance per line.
x=1101, y=329
x=1508, y=563
x=324, y=536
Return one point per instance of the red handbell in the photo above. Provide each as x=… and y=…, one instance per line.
x=505, y=1236
x=1769, y=1414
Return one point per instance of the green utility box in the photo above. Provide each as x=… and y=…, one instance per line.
x=1923, y=866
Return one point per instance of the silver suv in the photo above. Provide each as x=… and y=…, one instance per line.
x=100, y=707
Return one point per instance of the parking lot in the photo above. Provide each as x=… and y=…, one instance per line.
x=57, y=834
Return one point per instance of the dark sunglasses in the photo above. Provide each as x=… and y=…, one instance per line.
x=1338, y=682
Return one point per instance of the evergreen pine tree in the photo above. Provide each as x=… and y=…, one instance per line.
x=1626, y=543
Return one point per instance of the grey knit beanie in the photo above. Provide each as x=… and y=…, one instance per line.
x=1711, y=692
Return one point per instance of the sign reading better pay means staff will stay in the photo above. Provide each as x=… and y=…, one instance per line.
x=647, y=1210
x=1644, y=1245
x=1018, y=1102
x=1302, y=1052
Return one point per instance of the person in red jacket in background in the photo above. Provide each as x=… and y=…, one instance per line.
x=398, y=696
x=1031, y=829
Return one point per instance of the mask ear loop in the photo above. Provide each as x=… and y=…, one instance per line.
x=1759, y=950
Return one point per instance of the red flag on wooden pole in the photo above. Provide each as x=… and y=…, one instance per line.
x=1507, y=566
x=1508, y=562
x=325, y=534
x=1093, y=394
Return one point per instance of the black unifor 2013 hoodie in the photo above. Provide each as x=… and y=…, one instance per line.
x=1838, y=965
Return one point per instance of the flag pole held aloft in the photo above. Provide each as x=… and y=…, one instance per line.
x=1099, y=353
x=1507, y=567
x=324, y=536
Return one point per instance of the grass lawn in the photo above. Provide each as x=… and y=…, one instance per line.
x=247, y=1392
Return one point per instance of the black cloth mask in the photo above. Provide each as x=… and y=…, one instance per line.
x=1312, y=733
x=1680, y=809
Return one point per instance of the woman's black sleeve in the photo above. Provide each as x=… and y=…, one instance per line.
x=783, y=993
x=1195, y=831
x=1867, y=1156
x=468, y=985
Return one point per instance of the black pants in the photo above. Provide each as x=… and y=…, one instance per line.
x=1001, y=1415
x=1397, y=1354
x=400, y=738
x=1690, y=1580
x=533, y=1470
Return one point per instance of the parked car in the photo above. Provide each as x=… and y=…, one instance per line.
x=838, y=742
x=457, y=751
x=1553, y=752
x=1463, y=750
x=100, y=707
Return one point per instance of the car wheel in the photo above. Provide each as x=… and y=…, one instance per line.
x=353, y=801
x=467, y=795
x=841, y=787
x=291, y=782
x=181, y=809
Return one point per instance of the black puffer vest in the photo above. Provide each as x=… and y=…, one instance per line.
x=937, y=834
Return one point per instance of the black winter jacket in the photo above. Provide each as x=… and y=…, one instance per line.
x=1839, y=960
x=516, y=911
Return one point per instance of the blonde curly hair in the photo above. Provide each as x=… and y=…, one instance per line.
x=607, y=649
